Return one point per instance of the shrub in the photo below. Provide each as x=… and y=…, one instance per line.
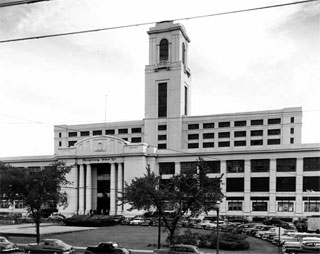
x=89, y=221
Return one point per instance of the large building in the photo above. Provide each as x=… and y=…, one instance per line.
x=266, y=170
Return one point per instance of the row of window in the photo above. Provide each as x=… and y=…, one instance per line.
x=238, y=166
x=283, y=184
x=236, y=134
x=101, y=132
x=282, y=206
x=236, y=143
x=242, y=123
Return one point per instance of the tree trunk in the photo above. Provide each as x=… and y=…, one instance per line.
x=37, y=220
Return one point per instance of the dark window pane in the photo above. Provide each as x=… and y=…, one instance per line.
x=274, y=141
x=166, y=168
x=72, y=134
x=258, y=142
x=207, y=135
x=193, y=145
x=71, y=143
x=162, y=146
x=96, y=133
x=240, y=143
x=110, y=132
x=257, y=133
x=311, y=164
x=208, y=144
x=240, y=134
x=164, y=50
x=259, y=206
x=162, y=127
x=84, y=133
x=136, y=140
x=224, y=134
x=208, y=125
x=162, y=100
x=186, y=166
x=274, y=121
x=274, y=132
x=136, y=130
x=194, y=126
x=260, y=165
x=235, y=184
x=214, y=166
x=193, y=136
x=240, y=123
x=235, y=166
x=260, y=184
x=162, y=137
x=311, y=183
x=257, y=122
x=224, y=124
x=286, y=184
x=224, y=144
x=285, y=165
x=123, y=131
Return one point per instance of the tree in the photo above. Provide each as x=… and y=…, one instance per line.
x=188, y=194
x=38, y=190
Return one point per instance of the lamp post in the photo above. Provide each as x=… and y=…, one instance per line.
x=217, y=208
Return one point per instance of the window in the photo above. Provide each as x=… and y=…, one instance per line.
x=235, y=205
x=224, y=134
x=214, y=166
x=259, y=206
x=257, y=133
x=235, y=184
x=96, y=133
x=257, y=122
x=311, y=183
x=208, y=125
x=193, y=136
x=60, y=143
x=224, y=124
x=311, y=204
x=240, y=123
x=123, y=131
x=274, y=121
x=291, y=130
x=162, y=137
x=162, y=127
x=208, y=144
x=72, y=134
x=136, y=130
x=162, y=100
x=260, y=184
x=311, y=164
x=224, y=144
x=272, y=132
x=235, y=166
x=285, y=204
x=71, y=143
x=183, y=54
x=84, y=133
x=292, y=119
x=291, y=140
x=110, y=132
x=285, y=165
x=185, y=100
x=60, y=134
x=238, y=134
x=193, y=145
x=207, y=135
x=162, y=146
x=4, y=204
x=19, y=204
x=276, y=141
x=186, y=166
x=164, y=50
x=194, y=126
x=260, y=165
x=240, y=143
x=126, y=139
x=166, y=168
x=136, y=140
x=284, y=184
x=258, y=142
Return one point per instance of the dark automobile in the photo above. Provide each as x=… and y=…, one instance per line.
x=49, y=246
x=106, y=247
x=6, y=245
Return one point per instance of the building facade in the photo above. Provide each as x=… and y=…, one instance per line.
x=266, y=170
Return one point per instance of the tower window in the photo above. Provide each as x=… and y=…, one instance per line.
x=183, y=54
x=162, y=100
x=164, y=50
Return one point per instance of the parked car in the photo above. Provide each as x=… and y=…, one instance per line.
x=179, y=249
x=49, y=246
x=106, y=247
x=136, y=221
x=56, y=217
x=296, y=237
x=305, y=245
x=7, y=246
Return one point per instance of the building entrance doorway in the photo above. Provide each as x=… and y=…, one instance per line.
x=103, y=188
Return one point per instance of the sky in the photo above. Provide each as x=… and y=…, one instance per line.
x=251, y=61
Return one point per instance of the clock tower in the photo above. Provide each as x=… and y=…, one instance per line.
x=167, y=85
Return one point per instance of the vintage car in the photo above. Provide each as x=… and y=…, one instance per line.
x=49, y=246
x=179, y=249
x=6, y=245
x=106, y=247
x=305, y=245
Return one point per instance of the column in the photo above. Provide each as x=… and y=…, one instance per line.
x=273, y=187
x=113, y=189
x=75, y=192
x=247, y=187
x=81, y=189
x=120, y=186
x=88, y=189
x=177, y=168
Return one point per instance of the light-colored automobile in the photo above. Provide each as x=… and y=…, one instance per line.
x=7, y=246
x=305, y=245
x=179, y=249
x=296, y=237
x=136, y=221
x=49, y=246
